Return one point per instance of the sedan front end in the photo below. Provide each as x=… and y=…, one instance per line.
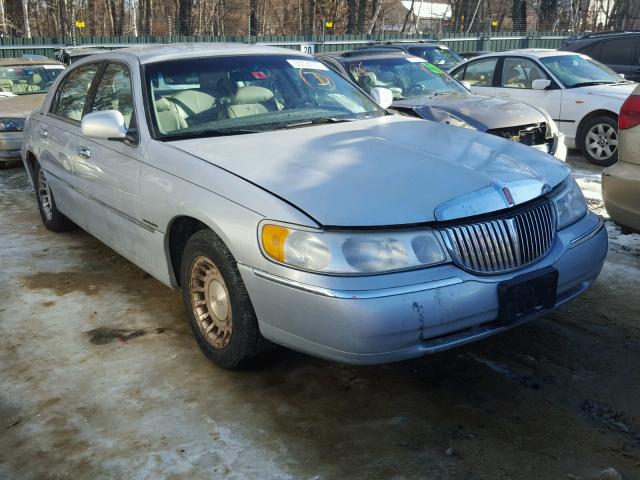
x=398, y=294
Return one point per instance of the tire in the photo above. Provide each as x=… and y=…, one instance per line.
x=52, y=218
x=599, y=140
x=217, y=303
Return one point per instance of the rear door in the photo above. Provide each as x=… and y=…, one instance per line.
x=515, y=81
x=59, y=134
x=480, y=74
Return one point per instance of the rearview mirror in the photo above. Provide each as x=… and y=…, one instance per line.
x=382, y=96
x=465, y=84
x=105, y=125
x=540, y=84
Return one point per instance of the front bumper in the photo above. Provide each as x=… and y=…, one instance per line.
x=621, y=193
x=387, y=318
x=556, y=147
x=10, y=144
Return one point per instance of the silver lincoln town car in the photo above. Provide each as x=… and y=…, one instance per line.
x=289, y=207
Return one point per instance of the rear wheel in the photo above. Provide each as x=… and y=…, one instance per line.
x=52, y=218
x=599, y=141
x=217, y=303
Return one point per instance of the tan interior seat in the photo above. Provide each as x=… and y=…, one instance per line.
x=249, y=100
x=193, y=101
x=5, y=84
x=35, y=85
x=168, y=116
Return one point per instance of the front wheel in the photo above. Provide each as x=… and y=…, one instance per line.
x=52, y=218
x=217, y=303
x=599, y=142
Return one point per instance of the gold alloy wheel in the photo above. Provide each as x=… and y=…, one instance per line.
x=210, y=302
x=45, y=195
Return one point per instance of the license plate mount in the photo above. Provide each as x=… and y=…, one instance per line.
x=527, y=295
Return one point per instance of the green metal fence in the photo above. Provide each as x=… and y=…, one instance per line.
x=460, y=42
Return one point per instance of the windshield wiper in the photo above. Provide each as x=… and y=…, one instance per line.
x=209, y=133
x=589, y=84
x=316, y=121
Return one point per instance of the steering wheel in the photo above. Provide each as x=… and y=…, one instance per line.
x=417, y=89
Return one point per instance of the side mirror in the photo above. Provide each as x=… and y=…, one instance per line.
x=540, y=84
x=621, y=75
x=465, y=84
x=382, y=96
x=105, y=125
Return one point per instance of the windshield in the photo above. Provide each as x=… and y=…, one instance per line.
x=406, y=77
x=579, y=71
x=436, y=55
x=28, y=79
x=249, y=94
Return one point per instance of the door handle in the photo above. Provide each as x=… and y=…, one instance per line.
x=43, y=133
x=84, y=152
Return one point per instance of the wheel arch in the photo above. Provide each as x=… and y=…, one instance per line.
x=178, y=232
x=602, y=112
x=30, y=165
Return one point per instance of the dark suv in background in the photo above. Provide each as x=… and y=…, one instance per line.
x=619, y=51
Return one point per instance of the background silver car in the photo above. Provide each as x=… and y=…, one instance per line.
x=289, y=207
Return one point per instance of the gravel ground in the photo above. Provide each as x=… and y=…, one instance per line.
x=101, y=379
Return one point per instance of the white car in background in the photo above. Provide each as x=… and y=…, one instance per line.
x=582, y=96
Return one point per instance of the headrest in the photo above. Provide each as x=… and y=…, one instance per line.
x=36, y=78
x=252, y=94
x=163, y=105
x=6, y=82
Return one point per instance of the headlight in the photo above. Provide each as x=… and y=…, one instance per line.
x=351, y=252
x=570, y=204
x=11, y=124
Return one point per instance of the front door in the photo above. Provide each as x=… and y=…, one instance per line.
x=516, y=82
x=109, y=170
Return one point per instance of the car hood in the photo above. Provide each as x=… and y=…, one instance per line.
x=386, y=171
x=619, y=92
x=20, y=106
x=478, y=111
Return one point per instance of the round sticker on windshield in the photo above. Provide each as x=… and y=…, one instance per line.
x=317, y=80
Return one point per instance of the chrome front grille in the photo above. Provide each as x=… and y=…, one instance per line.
x=504, y=244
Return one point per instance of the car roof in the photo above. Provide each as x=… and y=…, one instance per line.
x=5, y=62
x=529, y=52
x=367, y=53
x=152, y=53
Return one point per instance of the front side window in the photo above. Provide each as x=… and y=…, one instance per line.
x=71, y=95
x=248, y=94
x=114, y=92
x=520, y=73
x=406, y=77
x=580, y=71
x=479, y=73
x=28, y=79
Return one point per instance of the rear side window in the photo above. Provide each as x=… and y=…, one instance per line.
x=619, y=51
x=71, y=95
x=479, y=73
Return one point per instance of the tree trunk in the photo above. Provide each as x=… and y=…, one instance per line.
x=406, y=18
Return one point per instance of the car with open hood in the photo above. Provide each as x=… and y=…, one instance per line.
x=289, y=207
x=23, y=85
x=582, y=96
x=423, y=90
